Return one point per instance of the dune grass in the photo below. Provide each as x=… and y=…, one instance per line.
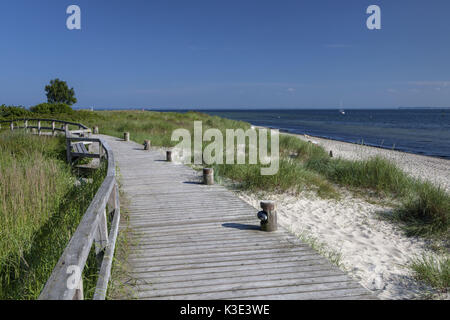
x=434, y=271
x=40, y=209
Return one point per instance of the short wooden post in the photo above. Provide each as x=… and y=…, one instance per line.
x=147, y=144
x=25, y=125
x=208, y=176
x=331, y=153
x=169, y=156
x=126, y=136
x=12, y=126
x=95, y=130
x=53, y=128
x=271, y=223
x=39, y=127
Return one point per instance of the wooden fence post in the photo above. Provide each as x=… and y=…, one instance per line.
x=39, y=127
x=12, y=126
x=53, y=128
x=271, y=223
x=208, y=176
x=68, y=151
x=101, y=238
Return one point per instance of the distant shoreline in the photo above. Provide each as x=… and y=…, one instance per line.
x=433, y=169
x=364, y=144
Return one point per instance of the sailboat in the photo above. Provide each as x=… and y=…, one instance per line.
x=341, y=111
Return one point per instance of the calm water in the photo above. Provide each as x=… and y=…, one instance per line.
x=418, y=131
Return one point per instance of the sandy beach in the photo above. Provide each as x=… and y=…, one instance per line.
x=371, y=249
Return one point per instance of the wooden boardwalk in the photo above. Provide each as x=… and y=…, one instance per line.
x=202, y=242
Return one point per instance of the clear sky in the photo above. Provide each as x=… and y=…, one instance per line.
x=228, y=54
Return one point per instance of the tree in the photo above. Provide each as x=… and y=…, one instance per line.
x=59, y=92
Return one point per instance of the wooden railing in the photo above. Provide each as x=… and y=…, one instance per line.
x=41, y=125
x=66, y=282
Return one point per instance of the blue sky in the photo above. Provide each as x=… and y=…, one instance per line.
x=228, y=54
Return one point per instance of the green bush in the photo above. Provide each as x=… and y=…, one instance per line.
x=13, y=111
x=52, y=108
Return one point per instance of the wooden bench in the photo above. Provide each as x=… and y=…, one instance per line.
x=80, y=147
x=79, y=150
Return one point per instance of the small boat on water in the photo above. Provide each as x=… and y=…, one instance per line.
x=341, y=110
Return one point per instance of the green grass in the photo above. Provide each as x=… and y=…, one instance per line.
x=433, y=271
x=426, y=211
x=40, y=209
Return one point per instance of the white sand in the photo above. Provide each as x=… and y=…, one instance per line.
x=373, y=250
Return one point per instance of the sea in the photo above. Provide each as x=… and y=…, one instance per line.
x=419, y=131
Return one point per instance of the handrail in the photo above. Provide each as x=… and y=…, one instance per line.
x=47, y=120
x=83, y=130
x=66, y=282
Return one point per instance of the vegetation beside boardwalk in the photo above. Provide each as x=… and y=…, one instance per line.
x=423, y=209
x=40, y=208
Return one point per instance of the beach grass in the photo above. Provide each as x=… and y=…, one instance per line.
x=425, y=210
x=433, y=271
x=40, y=209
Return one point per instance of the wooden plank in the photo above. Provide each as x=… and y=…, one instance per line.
x=192, y=241
x=85, y=155
x=309, y=291
x=227, y=279
x=308, y=269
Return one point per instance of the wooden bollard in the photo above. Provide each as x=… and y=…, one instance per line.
x=169, y=156
x=126, y=136
x=208, y=176
x=271, y=223
x=95, y=130
x=147, y=144
x=331, y=153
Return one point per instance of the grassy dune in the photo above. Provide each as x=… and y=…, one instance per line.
x=39, y=210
